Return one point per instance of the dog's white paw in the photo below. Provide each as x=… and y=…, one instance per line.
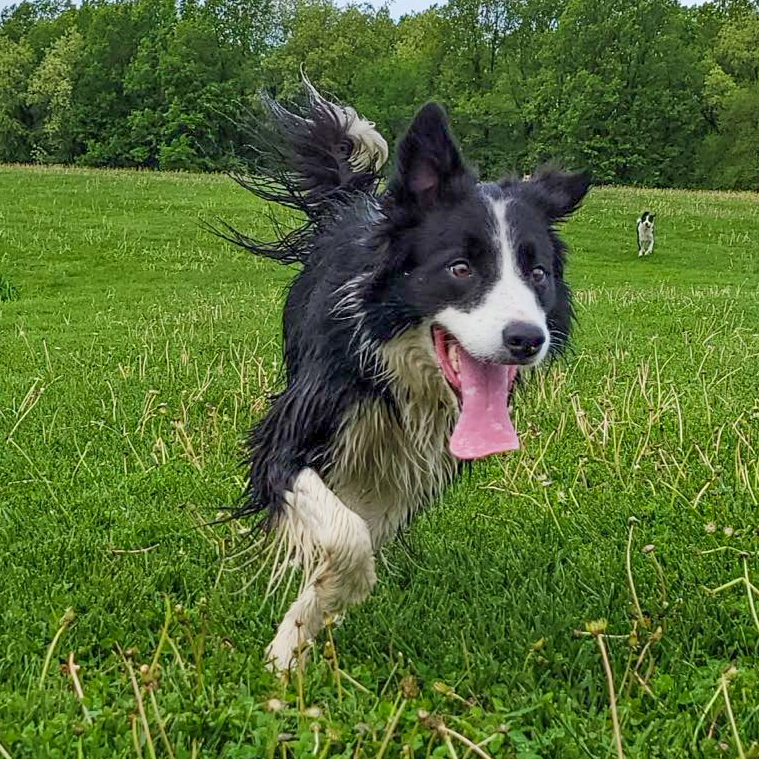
x=288, y=646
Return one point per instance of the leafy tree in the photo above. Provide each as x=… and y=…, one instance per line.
x=39, y=22
x=639, y=91
x=391, y=87
x=49, y=92
x=111, y=35
x=337, y=48
x=619, y=78
x=16, y=64
x=731, y=152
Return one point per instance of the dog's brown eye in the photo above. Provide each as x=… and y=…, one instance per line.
x=459, y=269
x=538, y=275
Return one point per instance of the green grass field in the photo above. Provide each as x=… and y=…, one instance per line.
x=135, y=352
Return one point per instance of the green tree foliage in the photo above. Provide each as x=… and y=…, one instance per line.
x=639, y=91
x=16, y=64
x=49, y=94
x=619, y=91
x=731, y=150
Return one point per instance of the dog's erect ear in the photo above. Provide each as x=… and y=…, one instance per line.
x=561, y=194
x=429, y=167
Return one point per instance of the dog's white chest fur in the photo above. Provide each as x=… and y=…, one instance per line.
x=385, y=467
x=388, y=465
x=645, y=229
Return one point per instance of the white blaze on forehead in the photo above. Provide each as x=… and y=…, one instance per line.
x=509, y=299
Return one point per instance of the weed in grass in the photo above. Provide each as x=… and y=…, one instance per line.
x=7, y=290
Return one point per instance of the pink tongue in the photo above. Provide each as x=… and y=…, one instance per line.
x=484, y=426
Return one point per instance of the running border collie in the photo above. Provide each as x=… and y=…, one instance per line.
x=415, y=308
x=644, y=228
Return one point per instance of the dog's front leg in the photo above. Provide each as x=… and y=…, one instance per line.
x=337, y=544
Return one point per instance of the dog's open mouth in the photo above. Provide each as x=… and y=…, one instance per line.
x=484, y=426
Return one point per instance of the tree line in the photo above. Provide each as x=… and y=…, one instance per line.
x=646, y=92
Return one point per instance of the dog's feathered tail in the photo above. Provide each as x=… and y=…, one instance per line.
x=310, y=162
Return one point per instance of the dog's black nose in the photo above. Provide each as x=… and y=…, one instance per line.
x=523, y=340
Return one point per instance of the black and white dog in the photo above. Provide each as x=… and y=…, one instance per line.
x=414, y=310
x=645, y=229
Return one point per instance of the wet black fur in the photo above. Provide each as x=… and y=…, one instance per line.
x=386, y=240
x=302, y=164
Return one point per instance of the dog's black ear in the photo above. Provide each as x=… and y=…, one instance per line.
x=429, y=166
x=561, y=194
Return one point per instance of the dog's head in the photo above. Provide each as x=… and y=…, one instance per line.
x=482, y=265
x=647, y=220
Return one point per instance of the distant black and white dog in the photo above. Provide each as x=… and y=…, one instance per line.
x=415, y=309
x=645, y=230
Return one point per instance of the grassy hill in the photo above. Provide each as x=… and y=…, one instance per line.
x=135, y=350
